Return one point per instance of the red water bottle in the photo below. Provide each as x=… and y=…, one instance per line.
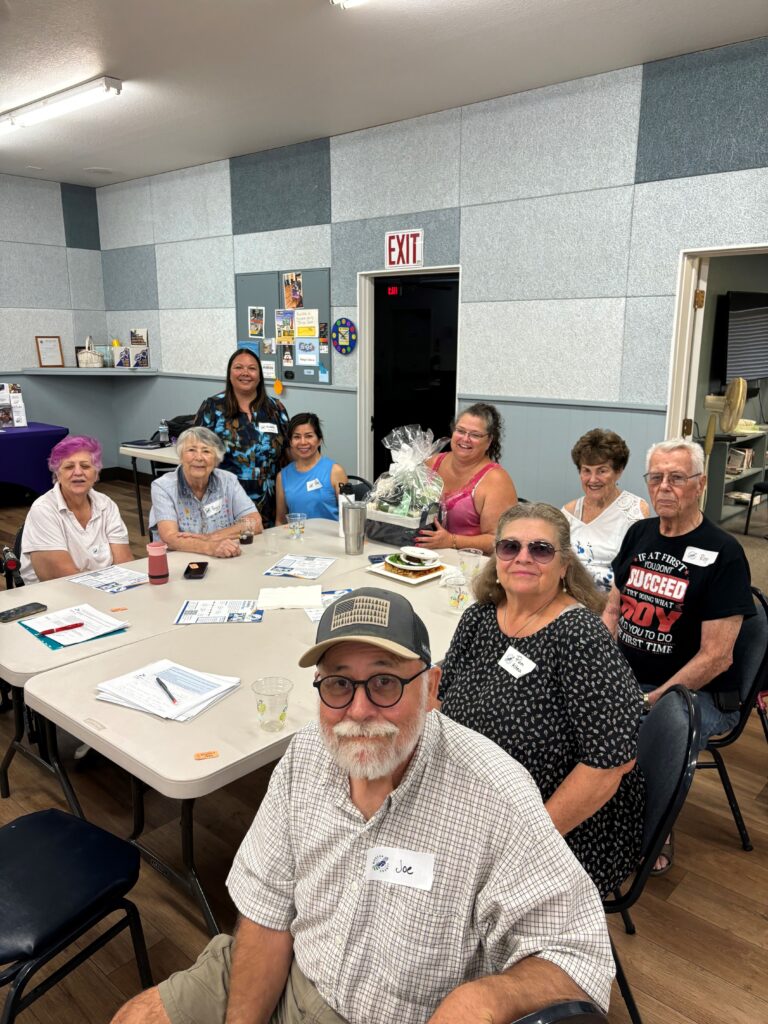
x=157, y=569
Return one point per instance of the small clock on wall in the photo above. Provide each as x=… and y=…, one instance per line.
x=344, y=336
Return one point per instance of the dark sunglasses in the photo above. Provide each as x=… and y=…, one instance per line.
x=541, y=551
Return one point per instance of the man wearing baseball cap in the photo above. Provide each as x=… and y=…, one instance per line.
x=401, y=868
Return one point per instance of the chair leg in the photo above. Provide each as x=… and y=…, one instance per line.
x=139, y=944
x=763, y=718
x=749, y=514
x=629, y=925
x=732, y=801
x=15, y=993
x=626, y=991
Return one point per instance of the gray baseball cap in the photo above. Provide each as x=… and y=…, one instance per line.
x=371, y=616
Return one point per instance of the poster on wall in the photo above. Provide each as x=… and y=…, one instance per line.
x=268, y=347
x=288, y=358
x=268, y=366
x=307, y=322
x=256, y=321
x=307, y=351
x=293, y=290
x=284, y=326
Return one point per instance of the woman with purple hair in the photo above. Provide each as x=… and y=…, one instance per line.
x=73, y=528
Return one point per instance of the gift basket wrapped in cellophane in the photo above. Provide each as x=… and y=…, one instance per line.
x=406, y=498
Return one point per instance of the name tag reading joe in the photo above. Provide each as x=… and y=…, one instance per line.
x=516, y=663
x=314, y=485
x=699, y=556
x=400, y=867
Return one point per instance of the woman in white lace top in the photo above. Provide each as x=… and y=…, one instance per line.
x=603, y=515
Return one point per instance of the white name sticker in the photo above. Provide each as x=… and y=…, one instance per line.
x=516, y=663
x=400, y=867
x=268, y=428
x=699, y=556
x=313, y=485
x=213, y=507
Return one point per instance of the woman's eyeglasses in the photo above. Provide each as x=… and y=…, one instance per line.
x=471, y=435
x=541, y=551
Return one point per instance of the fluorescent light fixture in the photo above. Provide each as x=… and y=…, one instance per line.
x=344, y=4
x=61, y=103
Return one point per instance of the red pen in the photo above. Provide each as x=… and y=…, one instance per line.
x=60, y=629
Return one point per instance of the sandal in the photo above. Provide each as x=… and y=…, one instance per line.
x=667, y=852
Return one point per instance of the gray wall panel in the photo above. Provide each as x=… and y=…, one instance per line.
x=30, y=211
x=704, y=113
x=86, y=283
x=191, y=203
x=81, y=217
x=281, y=188
x=130, y=278
x=197, y=274
x=34, y=276
x=125, y=214
x=358, y=245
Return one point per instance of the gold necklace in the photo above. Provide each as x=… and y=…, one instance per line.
x=518, y=635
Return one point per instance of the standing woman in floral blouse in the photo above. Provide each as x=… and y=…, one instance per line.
x=253, y=427
x=532, y=668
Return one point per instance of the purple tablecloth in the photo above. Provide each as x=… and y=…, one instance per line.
x=24, y=455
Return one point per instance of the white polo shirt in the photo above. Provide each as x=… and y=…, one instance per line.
x=51, y=526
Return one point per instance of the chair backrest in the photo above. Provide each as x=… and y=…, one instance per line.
x=17, y=541
x=666, y=755
x=360, y=487
x=750, y=665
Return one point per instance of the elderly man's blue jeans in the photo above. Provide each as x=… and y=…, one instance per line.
x=713, y=720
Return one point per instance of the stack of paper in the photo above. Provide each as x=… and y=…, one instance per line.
x=305, y=567
x=113, y=580
x=167, y=690
x=73, y=625
x=196, y=612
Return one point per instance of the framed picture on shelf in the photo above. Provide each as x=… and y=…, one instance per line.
x=49, y=350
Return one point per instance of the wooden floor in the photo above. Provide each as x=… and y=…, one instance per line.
x=700, y=955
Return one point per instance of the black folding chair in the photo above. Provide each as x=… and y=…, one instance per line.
x=360, y=488
x=666, y=754
x=59, y=877
x=750, y=665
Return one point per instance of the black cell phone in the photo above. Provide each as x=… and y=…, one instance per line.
x=22, y=611
x=195, y=570
x=375, y=559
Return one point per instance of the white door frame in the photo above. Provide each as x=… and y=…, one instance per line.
x=692, y=275
x=365, y=362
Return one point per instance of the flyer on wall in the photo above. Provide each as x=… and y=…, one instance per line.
x=307, y=352
x=284, y=326
x=307, y=323
x=293, y=289
x=268, y=366
x=256, y=321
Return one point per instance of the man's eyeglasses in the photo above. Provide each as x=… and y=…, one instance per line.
x=541, y=551
x=472, y=435
x=673, y=479
x=384, y=690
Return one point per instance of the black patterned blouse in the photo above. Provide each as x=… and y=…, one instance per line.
x=580, y=704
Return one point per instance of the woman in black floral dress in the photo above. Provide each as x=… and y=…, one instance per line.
x=532, y=667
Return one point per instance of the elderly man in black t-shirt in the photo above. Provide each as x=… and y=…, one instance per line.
x=681, y=591
x=680, y=594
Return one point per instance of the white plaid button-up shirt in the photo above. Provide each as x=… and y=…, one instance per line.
x=505, y=885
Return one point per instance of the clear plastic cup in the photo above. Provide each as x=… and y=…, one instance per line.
x=297, y=522
x=271, y=694
x=470, y=562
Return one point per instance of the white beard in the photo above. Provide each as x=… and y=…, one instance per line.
x=357, y=751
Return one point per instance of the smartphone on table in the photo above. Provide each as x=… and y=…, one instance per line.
x=22, y=611
x=195, y=570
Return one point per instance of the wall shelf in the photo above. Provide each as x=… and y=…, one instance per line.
x=718, y=484
x=84, y=371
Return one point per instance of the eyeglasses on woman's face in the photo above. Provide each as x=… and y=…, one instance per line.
x=384, y=689
x=541, y=551
x=471, y=435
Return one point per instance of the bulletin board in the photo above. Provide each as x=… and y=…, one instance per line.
x=307, y=360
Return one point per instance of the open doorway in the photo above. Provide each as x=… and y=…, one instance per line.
x=407, y=370
x=721, y=331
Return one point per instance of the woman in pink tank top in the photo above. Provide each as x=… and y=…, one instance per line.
x=477, y=489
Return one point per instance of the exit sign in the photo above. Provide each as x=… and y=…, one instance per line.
x=404, y=248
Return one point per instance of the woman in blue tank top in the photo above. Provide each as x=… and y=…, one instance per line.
x=310, y=483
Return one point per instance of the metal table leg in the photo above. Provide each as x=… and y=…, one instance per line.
x=52, y=764
x=188, y=879
x=138, y=495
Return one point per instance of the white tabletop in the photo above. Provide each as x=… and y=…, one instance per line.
x=151, y=454
x=160, y=752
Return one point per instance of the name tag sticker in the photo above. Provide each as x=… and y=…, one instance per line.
x=699, y=556
x=213, y=507
x=313, y=485
x=516, y=663
x=268, y=428
x=400, y=867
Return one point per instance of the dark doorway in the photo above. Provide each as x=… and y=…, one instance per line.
x=414, y=375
